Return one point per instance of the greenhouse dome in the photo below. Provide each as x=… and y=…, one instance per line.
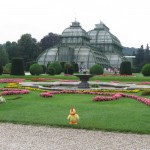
x=107, y=43
x=85, y=48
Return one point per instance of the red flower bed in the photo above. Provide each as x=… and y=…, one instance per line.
x=11, y=80
x=119, y=95
x=144, y=83
x=14, y=92
x=46, y=94
x=104, y=97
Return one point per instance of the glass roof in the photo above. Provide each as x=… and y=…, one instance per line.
x=101, y=34
x=75, y=30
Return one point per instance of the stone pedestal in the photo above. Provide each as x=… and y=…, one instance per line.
x=84, y=78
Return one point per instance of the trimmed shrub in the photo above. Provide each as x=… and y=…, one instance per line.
x=62, y=65
x=56, y=66
x=17, y=67
x=125, y=68
x=50, y=71
x=28, y=64
x=75, y=67
x=36, y=69
x=7, y=68
x=146, y=70
x=96, y=69
x=44, y=68
x=68, y=68
x=1, y=70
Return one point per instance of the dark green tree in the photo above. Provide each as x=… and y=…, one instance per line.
x=140, y=57
x=17, y=67
x=12, y=49
x=68, y=68
x=3, y=56
x=29, y=48
x=1, y=70
x=49, y=40
x=146, y=55
x=125, y=68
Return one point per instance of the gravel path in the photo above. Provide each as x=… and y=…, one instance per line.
x=27, y=137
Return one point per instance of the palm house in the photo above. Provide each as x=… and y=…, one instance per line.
x=107, y=43
x=97, y=46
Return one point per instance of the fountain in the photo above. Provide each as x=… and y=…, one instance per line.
x=84, y=80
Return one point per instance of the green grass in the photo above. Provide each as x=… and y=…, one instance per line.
x=135, y=78
x=124, y=115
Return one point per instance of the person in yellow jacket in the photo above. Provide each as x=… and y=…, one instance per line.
x=73, y=117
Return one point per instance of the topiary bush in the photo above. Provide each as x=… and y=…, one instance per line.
x=36, y=69
x=62, y=65
x=146, y=70
x=75, y=67
x=44, y=68
x=28, y=64
x=68, y=68
x=57, y=66
x=125, y=68
x=50, y=71
x=96, y=69
x=17, y=67
x=1, y=70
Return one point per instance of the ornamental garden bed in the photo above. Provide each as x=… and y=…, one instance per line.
x=98, y=110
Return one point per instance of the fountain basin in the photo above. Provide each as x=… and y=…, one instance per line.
x=84, y=78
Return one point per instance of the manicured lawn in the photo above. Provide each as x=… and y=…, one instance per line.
x=107, y=78
x=124, y=115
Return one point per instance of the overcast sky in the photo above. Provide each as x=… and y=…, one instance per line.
x=129, y=20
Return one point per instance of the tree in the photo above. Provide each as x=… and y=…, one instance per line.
x=12, y=49
x=3, y=56
x=125, y=68
x=147, y=55
x=140, y=57
x=29, y=48
x=49, y=40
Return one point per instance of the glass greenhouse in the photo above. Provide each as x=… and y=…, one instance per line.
x=109, y=44
x=97, y=46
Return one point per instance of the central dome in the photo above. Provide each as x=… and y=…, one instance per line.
x=75, y=30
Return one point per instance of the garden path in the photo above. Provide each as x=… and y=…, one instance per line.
x=27, y=137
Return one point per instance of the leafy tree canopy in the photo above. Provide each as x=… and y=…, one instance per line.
x=49, y=40
x=29, y=47
x=3, y=56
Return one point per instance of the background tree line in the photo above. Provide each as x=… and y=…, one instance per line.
x=29, y=49
x=26, y=47
x=142, y=57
